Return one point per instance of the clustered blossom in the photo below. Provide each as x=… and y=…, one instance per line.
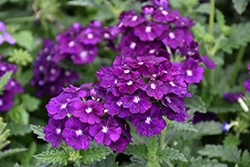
x=5, y=36
x=142, y=86
x=247, y=82
x=49, y=78
x=10, y=89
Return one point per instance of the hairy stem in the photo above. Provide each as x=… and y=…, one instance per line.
x=211, y=19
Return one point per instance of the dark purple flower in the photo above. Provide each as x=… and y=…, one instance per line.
x=162, y=15
x=106, y=131
x=232, y=97
x=6, y=101
x=88, y=112
x=87, y=54
x=155, y=89
x=130, y=86
x=125, y=72
x=76, y=133
x=137, y=103
x=53, y=131
x=192, y=71
x=132, y=20
x=199, y=117
x=78, y=92
x=226, y=127
x=208, y=63
x=90, y=36
x=147, y=9
x=173, y=38
x=106, y=77
x=150, y=122
x=120, y=144
x=160, y=3
x=247, y=85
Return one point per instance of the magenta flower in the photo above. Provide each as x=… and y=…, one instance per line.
x=155, y=89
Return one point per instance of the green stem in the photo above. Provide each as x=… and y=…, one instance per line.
x=211, y=19
x=212, y=78
x=112, y=7
x=216, y=45
x=18, y=73
x=236, y=67
x=163, y=132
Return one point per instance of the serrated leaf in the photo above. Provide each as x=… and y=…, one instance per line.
x=153, y=164
x=223, y=106
x=18, y=129
x=53, y=157
x=26, y=77
x=200, y=162
x=10, y=152
x=153, y=145
x=137, y=150
x=30, y=103
x=220, y=19
x=240, y=5
x=204, y=128
x=199, y=30
x=182, y=127
x=109, y=161
x=230, y=154
x=231, y=140
x=81, y=3
x=240, y=36
x=194, y=104
x=28, y=43
x=94, y=154
x=4, y=79
x=37, y=129
x=203, y=8
x=170, y=154
x=18, y=114
x=245, y=159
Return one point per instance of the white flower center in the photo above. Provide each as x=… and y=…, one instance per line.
x=153, y=86
x=171, y=83
x=243, y=104
x=104, y=129
x=132, y=45
x=58, y=130
x=189, y=73
x=120, y=25
x=154, y=75
x=90, y=36
x=79, y=132
x=41, y=68
x=136, y=99
x=3, y=68
x=88, y=110
x=64, y=105
x=152, y=51
x=115, y=81
x=106, y=35
x=53, y=71
x=83, y=54
x=129, y=83
x=49, y=58
x=119, y=103
x=148, y=120
x=46, y=50
x=67, y=73
x=1, y=102
x=168, y=100
x=148, y=29
x=71, y=44
x=164, y=12
x=126, y=71
x=106, y=110
x=171, y=35
x=140, y=63
x=134, y=18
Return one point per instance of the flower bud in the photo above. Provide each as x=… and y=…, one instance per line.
x=226, y=30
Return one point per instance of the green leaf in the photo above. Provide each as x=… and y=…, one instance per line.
x=153, y=164
x=245, y=159
x=18, y=129
x=236, y=165
x=194, y=104
x=231, y=140
x=4, y=79
x=18, y=114
x=199, y=162
x=94, y=154
x=170, y=154
x=28, y=43
x=81, y=3
x=30, y=103
x=10, y=152
x=53, y=157
x=199, y=30
x=20, y=57
x=204, y=128
x=240, y=36
x=26, y=77
x=230, y=154
x=220, y=105
x=109, y=161
x=203, y=8
x=220, y=18
x=37, y=129
x=182, y=127
x=139, y=151
x=240, y=5
x=153, y=145
x=17, y=165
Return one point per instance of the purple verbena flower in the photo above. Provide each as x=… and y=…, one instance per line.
x=155, y=88
x=232, y=97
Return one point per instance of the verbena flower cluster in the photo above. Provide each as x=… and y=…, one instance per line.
x=247, y=82
x=5, y=36
x=10, y=89
x=143, y=84
x=49, y=78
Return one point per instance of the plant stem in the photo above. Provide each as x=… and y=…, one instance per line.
x=236, y=66
x=163, y=132
x=211, y=19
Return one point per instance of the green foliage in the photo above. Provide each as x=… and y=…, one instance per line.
x=200, y=162
x=30, y=103
x=194, y=104
x=25, y=78
x=220, y=19
x=4, y=79
x=20, y=57
x=53, y=157
x=82, y=3
x=182, y=127
x=220, y=105
x=203, y=8
x=10, y=152
x=240, y=36
x=204, y=128
x=109, y=161
x=231, y=140
x=18, y=114
x=94, y=154
x=37, y=129
x=245, y=159
x=168, y=154
x=230, y=154
x=137, y=150
x=240, y=5
x=28, y=43
x=18, y=129
x=153, y=146
x=4, y=134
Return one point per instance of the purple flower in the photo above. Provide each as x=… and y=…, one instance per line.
x=87, y=54
x=155, y=89
x=247, y=85
x=164, y=15
x=192, y=71
x=226, y=127
x=120, y=144
x=78, y=92
x=53, y=131
x=60, y=106
x=150, y=122
x=147, y=9
x=90, y=36
x=132, y=20
x=130, y=86
x=208, y=63
x=137, y=103
x=88, y=112
x=125, y=72
x=106, y=131
x=76, y=133
x=6, y=101
x=160, y=3
x=173, y=38
x=232, y=97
